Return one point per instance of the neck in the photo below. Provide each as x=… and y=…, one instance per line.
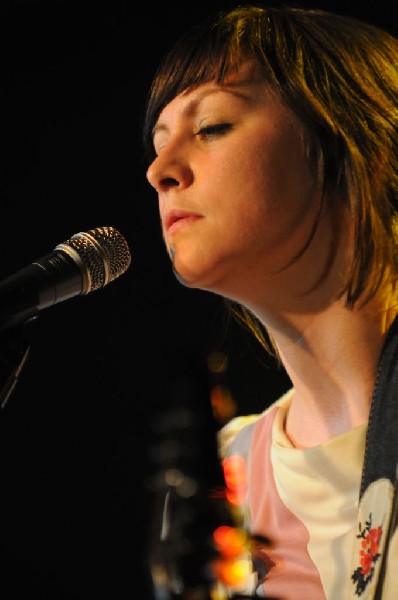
x=331, y=358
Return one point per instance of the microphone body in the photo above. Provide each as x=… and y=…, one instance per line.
x=85, y=262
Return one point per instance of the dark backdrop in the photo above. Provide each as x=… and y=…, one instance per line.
x=77, y=432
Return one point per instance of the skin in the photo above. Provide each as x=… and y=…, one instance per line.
x=238, y=198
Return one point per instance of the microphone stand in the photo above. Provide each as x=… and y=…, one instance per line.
x=14, y=351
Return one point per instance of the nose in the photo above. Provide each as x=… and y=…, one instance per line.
x=166, y=172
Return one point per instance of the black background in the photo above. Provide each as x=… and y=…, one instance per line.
x=76, y=511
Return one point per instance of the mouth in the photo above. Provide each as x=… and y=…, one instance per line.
x=174, y=219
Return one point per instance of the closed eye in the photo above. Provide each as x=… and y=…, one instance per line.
x=212, y=131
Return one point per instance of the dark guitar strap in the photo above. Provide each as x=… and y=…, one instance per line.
x=378, y=500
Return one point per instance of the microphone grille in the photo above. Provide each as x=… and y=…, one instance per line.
x=104, y=252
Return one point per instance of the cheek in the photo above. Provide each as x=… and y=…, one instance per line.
x=281, y=173
x=269, y=194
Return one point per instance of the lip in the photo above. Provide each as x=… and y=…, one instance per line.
x=176, y=218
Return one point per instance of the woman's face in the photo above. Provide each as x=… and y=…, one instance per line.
x=238, y=195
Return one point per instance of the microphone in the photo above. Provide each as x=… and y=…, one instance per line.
x=83, y=263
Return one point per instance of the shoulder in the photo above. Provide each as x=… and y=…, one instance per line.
x=242, y=425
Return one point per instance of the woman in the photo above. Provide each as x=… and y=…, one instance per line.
x=272, y=136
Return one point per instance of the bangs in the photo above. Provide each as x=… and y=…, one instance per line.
x=197, y=58
x=208, y=52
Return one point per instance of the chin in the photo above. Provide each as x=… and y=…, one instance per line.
x=188, y=280
x=185, y=276
x=204, y=277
